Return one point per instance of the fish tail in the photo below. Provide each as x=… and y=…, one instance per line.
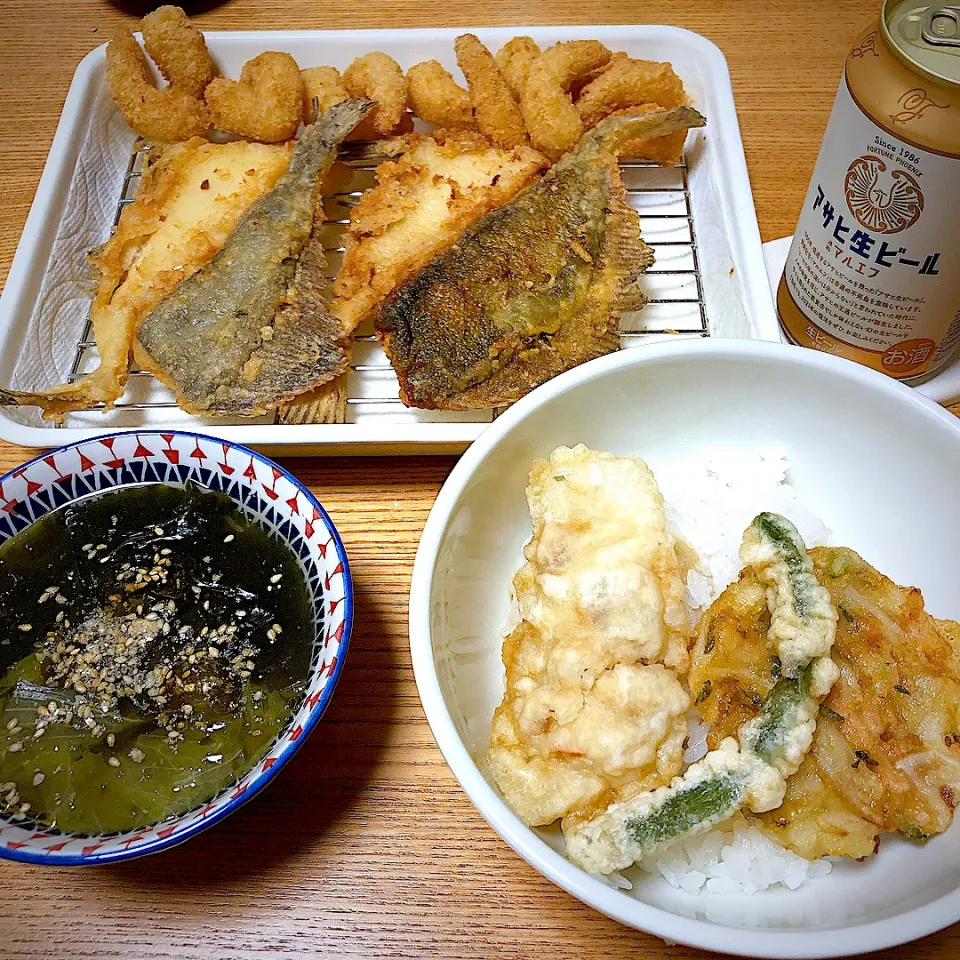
x=611, y=133
x=337, y=121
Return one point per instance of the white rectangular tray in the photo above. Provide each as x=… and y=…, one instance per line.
x=709, y=278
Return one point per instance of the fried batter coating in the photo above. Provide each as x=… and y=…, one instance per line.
x=885, y=755
x=179, y=50
x=592, y=712
x=378, y=77
x=629, y=83
x=323, y=84
x=164, y=116
x=265, y=104
x=436, y=97
x=551, y=117
x=514, y=59
x=421, y=204
x=498, y=115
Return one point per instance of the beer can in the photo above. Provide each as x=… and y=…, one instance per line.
x=873, y=272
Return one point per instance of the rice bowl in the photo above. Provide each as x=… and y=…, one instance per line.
x=835, y=423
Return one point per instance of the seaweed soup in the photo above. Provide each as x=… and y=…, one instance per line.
x=153, y=643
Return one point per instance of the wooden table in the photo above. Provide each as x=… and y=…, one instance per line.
x=366, y=846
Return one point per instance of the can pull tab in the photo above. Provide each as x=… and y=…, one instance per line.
x=941, y=26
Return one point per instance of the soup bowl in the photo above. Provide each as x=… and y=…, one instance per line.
x=266, y=494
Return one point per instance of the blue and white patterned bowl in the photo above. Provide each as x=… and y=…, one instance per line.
x=262, y=490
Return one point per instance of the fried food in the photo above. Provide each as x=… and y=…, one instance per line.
x=532, y=289
x=626, y=84
x=265, y=104
x=514, y=60
x=188, y=203
x=421, y=204
x=885, y=756
x=379, y=78
x=497, y=113
x=436, y=98
x=251, y=330
x=323, y=85
x=179, y=50
x=548, y=110
x=163, y=116
x=593, y=708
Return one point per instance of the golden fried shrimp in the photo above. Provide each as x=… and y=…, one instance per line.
x=378, y=77
x=436, y=98
x=265, y=104
x=497, y=113
x=164, y=116
x=179, y=50
x=548, y=109
x=323, y=84
x=514, y=60
x=630, y=83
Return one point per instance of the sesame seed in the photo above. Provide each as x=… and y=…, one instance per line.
x=12, y=723
x=111, y=739
x=276, y=578
x=165, y=552
x=38, y=779
x=228, y=538
x=24, y=627
x=158, y=531
x=114, y=762
x=15, y=747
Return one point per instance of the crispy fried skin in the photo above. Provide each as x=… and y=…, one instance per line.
x=188, y=203
x=164, y=116
x=265, y=104
x=497, y=113
x=533, y=289
x=885, y=755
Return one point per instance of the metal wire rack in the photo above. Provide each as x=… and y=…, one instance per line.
x=674, y=287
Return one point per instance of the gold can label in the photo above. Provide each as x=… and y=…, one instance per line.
x=873, y=272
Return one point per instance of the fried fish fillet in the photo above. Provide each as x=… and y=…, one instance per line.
x=534, y=288
x=886, y=754
x=421, y=203
x=251, y=329
x=593, y=709
x=188, y=203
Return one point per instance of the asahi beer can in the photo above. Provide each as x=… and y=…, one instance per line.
x=873, y=273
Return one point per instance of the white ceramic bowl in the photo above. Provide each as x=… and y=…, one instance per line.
x=878, y=463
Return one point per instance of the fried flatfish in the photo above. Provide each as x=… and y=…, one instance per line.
x=189, y=201
x=532, y=289
x=886, y=753
x=251, y=329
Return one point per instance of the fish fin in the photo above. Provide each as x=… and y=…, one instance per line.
x=326, y=404
x=620, y=128
x=625, y=253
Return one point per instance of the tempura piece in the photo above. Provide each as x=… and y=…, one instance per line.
x=265, y=104
x=626, y=84
x=886, y=755
x=436, y=98
x=593, y=709
x=533, y=289
x=322, y=88
x=514, y=60
x=552, y=119
x=179, y=50
x=378, y=77
x=188, y=203
x=497, y=113
x=164, y=116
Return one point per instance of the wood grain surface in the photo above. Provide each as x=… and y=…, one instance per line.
x=365, y=845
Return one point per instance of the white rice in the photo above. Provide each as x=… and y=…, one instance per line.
x=709, y=505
